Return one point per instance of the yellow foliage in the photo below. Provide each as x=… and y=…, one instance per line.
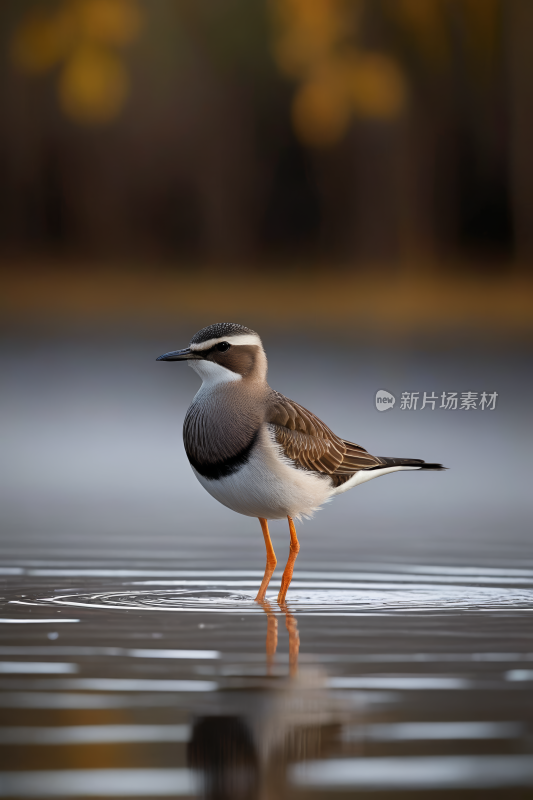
x=336, y=79
x=93, y=85
x=41, y=42
x=308, y=31
x=321, y=109
x=315, y=44
x=82, y=35
x=377, y=86
x=113, y=22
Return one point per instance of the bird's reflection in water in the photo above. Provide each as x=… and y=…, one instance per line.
x=272, y=637
x=223, y=754
x=245, y=756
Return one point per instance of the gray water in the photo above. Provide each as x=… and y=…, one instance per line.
x=134, y=661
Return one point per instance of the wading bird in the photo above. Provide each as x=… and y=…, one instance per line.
x=259, y=453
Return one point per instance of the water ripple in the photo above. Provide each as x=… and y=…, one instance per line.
x=331, y=597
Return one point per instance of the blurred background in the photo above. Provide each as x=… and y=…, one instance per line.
x=372, y=159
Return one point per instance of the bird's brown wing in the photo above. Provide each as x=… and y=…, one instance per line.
x=311, y=445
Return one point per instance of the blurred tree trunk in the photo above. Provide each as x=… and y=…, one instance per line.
x=374, y=231
x=360, y=195
x=415, y=206
x=520, y=50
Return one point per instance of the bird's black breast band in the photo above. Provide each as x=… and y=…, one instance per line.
x=213, y=470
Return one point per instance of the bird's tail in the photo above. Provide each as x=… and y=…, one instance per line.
x=413, y=463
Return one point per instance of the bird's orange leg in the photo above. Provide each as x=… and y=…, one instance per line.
x=270, y=564
x=287, y=575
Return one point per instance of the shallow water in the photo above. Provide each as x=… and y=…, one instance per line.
x=412, y=678
x=134, y=661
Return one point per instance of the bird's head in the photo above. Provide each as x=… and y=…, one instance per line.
x=223, y=352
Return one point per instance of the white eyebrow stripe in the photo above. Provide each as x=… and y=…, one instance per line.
x=244, y=338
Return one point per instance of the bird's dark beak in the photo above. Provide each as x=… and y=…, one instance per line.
x=179, y=355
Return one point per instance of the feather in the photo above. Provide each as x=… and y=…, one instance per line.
x=310, y=444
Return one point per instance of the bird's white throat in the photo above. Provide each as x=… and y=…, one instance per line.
x=213, y=374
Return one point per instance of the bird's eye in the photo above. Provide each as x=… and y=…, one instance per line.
x=223, y=346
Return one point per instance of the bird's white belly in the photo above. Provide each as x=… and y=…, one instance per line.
x=269, y=486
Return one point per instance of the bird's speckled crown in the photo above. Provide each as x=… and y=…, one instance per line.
x=220, y=329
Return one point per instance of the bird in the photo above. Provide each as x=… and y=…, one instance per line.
x=259, y=453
